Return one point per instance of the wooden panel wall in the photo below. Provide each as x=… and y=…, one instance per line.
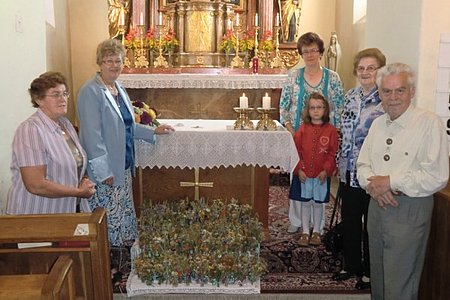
x=435, y=283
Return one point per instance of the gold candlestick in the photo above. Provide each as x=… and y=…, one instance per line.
x=140, y=59
x=160, y=60
x=126, y=61
x=277, y=61
x=256, y=28
x=243, y=122
x=237, y=61
x=265, y=120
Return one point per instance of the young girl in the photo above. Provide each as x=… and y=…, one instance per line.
x=317, y=142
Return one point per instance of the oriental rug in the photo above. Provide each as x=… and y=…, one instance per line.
x=291, y=268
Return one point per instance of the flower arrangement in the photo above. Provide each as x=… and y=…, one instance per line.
x=131, y=41
x=228, y=41
x=169, y=41
x=266, y=43
x=247, y=43
x=144, y=114
x=151, y=41
x=196, y=241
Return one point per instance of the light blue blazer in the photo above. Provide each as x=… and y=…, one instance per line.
x=102, y=130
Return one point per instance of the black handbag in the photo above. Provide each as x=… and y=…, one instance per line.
x=334, y=237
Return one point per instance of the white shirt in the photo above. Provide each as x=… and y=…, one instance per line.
x=412, y=150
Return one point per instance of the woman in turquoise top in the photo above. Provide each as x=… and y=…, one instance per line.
x=302, y=83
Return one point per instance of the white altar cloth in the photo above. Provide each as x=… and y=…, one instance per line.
x=213, y=143
x=203, y=81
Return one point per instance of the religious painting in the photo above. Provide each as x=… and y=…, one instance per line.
x=239, y=3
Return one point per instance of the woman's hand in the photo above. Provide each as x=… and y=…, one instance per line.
x=164, y=129
x=109, y=181
x=87, y=188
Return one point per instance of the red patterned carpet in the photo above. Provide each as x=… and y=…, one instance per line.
x=292, y=269
x=295, y=269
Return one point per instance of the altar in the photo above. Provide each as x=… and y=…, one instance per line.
x=207, y=158
x=202, y=93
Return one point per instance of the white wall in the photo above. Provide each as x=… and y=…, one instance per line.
x=408, y=31
x=88, y=27
x=24, y=57
x=28, y=52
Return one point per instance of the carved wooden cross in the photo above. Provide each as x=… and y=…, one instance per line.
x=196, y=184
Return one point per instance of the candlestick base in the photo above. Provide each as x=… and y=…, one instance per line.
x=277, y=62
x=265, y=121
x=140, y=59
x=243, y=122
x=161, y=62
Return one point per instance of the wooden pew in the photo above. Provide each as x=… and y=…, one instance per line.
x=82, y=236
x=58, y=284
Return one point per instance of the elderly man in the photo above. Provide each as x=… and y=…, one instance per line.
x=403, y=161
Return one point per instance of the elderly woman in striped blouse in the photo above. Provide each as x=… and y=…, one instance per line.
x=48, y=162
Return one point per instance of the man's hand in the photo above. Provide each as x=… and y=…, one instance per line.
x=379, y=188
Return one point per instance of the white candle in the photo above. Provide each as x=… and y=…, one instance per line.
x=237, y=19
x=160, y=18
x=256, y=20
x=243, y=101
x=277, y=20
x=266, y=102
x=122, y=17
x=141, y=18
x=229, y=26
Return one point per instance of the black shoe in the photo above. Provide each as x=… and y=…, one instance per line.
x=342, y=276
x=361, y=285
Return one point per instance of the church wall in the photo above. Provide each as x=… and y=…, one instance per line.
x=88, y=27
x=435, y=20
x=58, y=46
x=24, y=58
x=403, y=39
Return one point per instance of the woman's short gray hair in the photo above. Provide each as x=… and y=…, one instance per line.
x=108, y=48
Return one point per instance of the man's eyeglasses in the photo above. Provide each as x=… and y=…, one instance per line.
x=59, y=95
x=111, y=62
x=308, y=51
x=369, y=69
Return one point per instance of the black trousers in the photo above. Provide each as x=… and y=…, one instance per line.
x=355, y=204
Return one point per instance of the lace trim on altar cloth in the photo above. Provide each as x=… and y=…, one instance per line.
x=203, y=81
x=136, y=287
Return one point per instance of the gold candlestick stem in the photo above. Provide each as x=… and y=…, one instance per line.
x=237, y=61
x=160, y=60
x=256, y=28
x=140, y=60
x=277, y=61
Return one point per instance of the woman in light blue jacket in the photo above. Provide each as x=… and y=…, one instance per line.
x=107, y=130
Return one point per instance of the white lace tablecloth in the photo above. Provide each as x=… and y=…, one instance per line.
x=213, y=143
x=203, y=81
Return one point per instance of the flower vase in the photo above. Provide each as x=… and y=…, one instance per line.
x=151, y=58
x=227, y=59
x=170, y=58
x=246, y=59
x=267, y=59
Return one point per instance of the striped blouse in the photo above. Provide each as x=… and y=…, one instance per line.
x=40, y=141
